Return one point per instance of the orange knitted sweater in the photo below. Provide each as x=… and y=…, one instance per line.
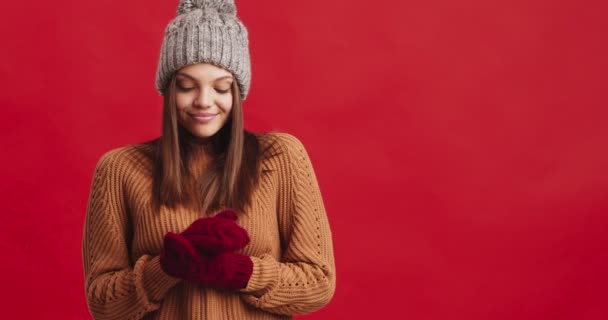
x=291, y=243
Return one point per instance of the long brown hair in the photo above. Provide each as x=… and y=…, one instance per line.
x=231, y=176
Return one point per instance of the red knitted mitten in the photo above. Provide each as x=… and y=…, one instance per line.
x=228, y=270
x=179, y=258
x=219, y=233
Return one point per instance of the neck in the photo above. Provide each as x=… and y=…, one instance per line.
x=199, y=151
x=195, y=143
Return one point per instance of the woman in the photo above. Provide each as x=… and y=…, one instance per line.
x=209, y=220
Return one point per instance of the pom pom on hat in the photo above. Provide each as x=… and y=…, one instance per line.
x=219, y=6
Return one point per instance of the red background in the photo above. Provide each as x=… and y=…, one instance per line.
x=461, y=146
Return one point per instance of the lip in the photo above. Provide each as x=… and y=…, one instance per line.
x=203, y=117
x=203, y=114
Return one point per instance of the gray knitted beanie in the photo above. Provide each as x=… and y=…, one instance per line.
x=205, y=31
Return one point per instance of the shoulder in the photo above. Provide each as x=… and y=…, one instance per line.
x=285, y=142
x=285, y=150
x=124, y=157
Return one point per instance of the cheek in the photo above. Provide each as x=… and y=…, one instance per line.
x=182, y=101
x=226, y=104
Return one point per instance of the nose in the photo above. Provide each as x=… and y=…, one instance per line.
x=204, y=99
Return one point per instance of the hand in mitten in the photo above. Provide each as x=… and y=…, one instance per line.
x=180, y=259
x=219, y=233
x=228, y=270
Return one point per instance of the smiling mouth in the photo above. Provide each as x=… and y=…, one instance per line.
x=203, y=114
x=203, y=118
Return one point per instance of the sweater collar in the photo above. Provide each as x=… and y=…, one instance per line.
x=199, y=151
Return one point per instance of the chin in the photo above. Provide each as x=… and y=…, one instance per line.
x=202, y=130
x=205, y=133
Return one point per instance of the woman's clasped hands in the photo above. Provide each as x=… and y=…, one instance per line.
x=206, y=252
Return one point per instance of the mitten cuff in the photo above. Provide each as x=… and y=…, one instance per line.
x=265, y=275
x=239, y=267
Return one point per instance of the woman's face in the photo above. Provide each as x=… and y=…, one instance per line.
x=203, y=98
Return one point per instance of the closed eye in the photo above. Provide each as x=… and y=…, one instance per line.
x=184, y=88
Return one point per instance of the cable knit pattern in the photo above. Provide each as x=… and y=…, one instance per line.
x=291, y=243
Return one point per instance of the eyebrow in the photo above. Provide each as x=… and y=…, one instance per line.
x=181, y=73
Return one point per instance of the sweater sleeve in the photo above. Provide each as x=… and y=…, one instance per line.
x=304, y=279
x=115, y=288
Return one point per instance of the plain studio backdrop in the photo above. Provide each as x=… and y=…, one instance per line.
x=460, y=146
